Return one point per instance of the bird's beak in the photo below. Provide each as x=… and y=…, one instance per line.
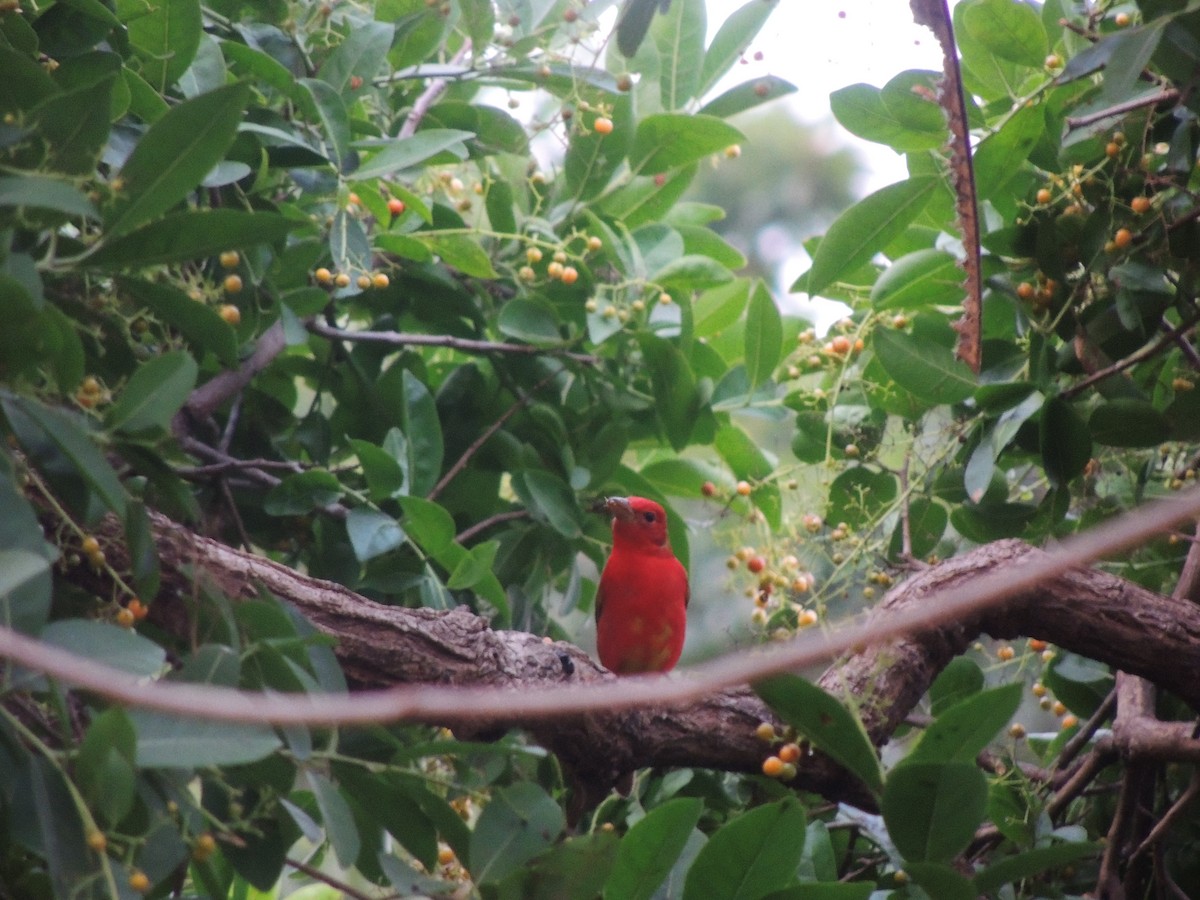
x=619, y=508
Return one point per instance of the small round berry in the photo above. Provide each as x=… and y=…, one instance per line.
x=1059, y=708
x=90, y=546
x=569, y=275
x=125, y=617
x=1016, y=731
x=396, y=206
x=560, y=256
x=1044, y=196
x=812, y=523
x=603, y=125
x=526, y=273
x=233, y=284
x=1123, y=238
x=380, y=280
x=1038, y=689
x=1005, y=653
x=594, y=243
x=1053, y=61
x=765, y=732
x=610, y=312
x=533, y=255
x=708, y=489
x=852, y=451
x=230, y=259
x=139, y=609
x=624, y=82
x=756, y=564
x=1026, y=291
x=341, y=279
x=1069, y=721
x=638, y=305
x=1036, y=645
x=570, y=14
x=353, y=199
x=139, y=881
x=555, y=269
x=840, y=345
x=355, y=82
x=591, y=305
x=1122, y=20
x=665, y=299
x=230, y=313
x=363, y=281
x=204, y=847
x=323, y=275
x=790, y=752
x=96, y=840
x=743, y=488
x=1140, y=205
x=772, y=766
x=1111, y=149
x=807, y=618
x=762, y=89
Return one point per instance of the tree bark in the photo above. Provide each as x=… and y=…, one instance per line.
x=1086, y=611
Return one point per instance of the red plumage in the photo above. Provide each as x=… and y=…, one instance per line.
x=641, y=604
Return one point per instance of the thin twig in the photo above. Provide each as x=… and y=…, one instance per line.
x=465, y=345
x=429, y=96
x=336, y=884
x=1168, y=819
x=499, y=519
x=1119, y=109
x=1087, y=731
x=1133, y=359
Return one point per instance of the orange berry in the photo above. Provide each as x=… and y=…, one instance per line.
x=1111, y=149
x=230, y=259
x=594, y=243
x=97, y=841
x=233, y=284
x=807, y=618
x=756, y=564
x=341, y=279
x=230, y=313
x=1005, y=653
x=1038, y=689
x=1044, y=196
x=380, y=280
x=1053, y=61
x=555, y=269
x=1016, y=730
x=1037, y=646
x=708, y=489
x=1122, y=20
x=445, y=856
x=323, y=275
x=353, y=199
x=138, y=608
x=533, y=254
x=396, y=206
x=364, y=281
x=1059, y=708
x=1122, y=238
x=569, y=275
x=1026, y=291
x=90, y=546
x=840, y=345
x=1070, y=721
x=772, y=766
x=790, y=752
x=204, y=847
x=743, y=488
x=139, y=881
x=125, y=617
x=602, y=125
x=1140, y=205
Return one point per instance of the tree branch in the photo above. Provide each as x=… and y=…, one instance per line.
x=464, y=345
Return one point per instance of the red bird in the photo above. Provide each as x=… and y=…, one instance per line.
x=641, y=605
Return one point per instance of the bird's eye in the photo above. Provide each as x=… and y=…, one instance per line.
x=649, y=516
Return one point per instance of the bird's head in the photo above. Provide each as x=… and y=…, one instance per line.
x=638, y=520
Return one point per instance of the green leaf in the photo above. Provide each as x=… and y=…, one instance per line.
x=170, y=742
x=748, y=95
x=859, y=495
x=674, y=386
x=143, y=553
x=824, y=891
x=45, y=192
x=302, y=493
x=763, y=335
x=175, y=154
x=108, y=644
x=188, y=235
x=362, y=53
x=962, y=678
x=751, y=856
x=1012, y=31
x=531, y=320
x=1127, y=422
x=429, y=524
x=866, y=228
x=554, y=499
x=56, y=439
x=826, y=723
x=339, y=824
x=668, y=140
x=44, y=817
x=519, y=822
x=372, y=533
x=732, y=40
x=157, y=390
x=963, y=730
x=932, y=809
x=105, y=764
x=24, y=581
x=941, y=881
x=330, y=110
x=927, y=371
x=927, y=521
x=422, y=430
x=650, y=848
x=691, y=272
x=1065, y=443
x=165, y=35
x=1031, y=863
x=678, y=35
x=1000, y=156
x=921, y=279
x=398, y=155
x=745, y=458
x=198, y=323
x=461, y=252
x=893, y=115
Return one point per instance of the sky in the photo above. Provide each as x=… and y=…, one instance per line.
x=823, y=46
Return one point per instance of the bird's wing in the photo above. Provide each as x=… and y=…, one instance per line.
x=599, y=600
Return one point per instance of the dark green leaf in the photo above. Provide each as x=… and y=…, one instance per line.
x=517, y=824
x=175, y=154
x=932, y=809
x=764, y=335
x=372, y=533
x=423, y=432
x=1126, y=422
x=866, y=228
x=921, y=279
x=399, y=155
x=929, y=372
x=1012, y=31
x=1065, y=443
x=105, y=764
x=959, y=733
x=460, y=252
x=650, y=848
x=668, y=140
x=529, y=320
x=330, y=111
x=1031, y=863
x=927, y=521
x=337, y=818
x=674, y=388
x=302, y=493
x=44, y=192
x=154, y=394
x=170, y=742
x=962, y=678
x=825, y=722
x=108, y=644
x=858, y=495
x=198, y=323
x=751, y=856
x=747, y=96
x=732, y=40
x=554, y=499
x=362, y=53
x=189, y=235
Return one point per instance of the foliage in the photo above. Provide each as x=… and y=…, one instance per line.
x=445, y=242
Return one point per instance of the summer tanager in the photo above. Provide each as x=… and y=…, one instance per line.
x=641, y=605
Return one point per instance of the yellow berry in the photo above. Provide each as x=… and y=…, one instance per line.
x=1005, y=653
x=125, y=617
x=90, y=546
x=230, y=313
x=139, y=881
x=1122, y=238
x=341, y=279
x=1038, y=689
x=323, y=275
x=445, y=855
x=364, y=281
x=594, y=243
x=1121, y=20
x=230, y=259
x=380, y=280
x=233, y=284
x=1016, y=730
x=1070, y=721
x=765, y=732
x=664, y=300
x=1140, y=205
x=743, y=488
x=533, y=254
x=1059, y=708
x=97, y=841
